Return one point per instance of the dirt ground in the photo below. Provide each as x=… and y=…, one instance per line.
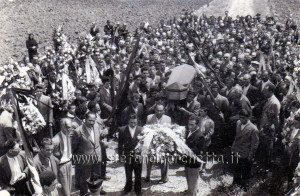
x=282, y=9
x=175, y=186
x=20, y=17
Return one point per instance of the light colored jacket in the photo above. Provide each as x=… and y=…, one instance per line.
x=152, y=119
x=246, y=140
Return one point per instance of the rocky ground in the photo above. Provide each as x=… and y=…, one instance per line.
x=20, y=17
x=176, y=184
x=283, y=9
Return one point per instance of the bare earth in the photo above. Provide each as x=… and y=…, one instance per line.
x=20, y=17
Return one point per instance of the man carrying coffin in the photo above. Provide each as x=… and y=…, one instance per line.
x=158, y=118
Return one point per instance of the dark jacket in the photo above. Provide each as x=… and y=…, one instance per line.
x=196, y=143
x=140, y=114
x=127, y=144
x=41, y=164
x=5, y=171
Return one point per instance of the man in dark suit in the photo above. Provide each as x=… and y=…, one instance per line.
x=86, y=142
x=53, y=86
x=14, y=170
x=126, y=149
x=94, y=30
x=254, y=96
x=108, y=28
x=105, y=99
x=195, y=141
x=134, y=107
x=250, y=91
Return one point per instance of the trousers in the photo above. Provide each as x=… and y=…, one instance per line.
x=192, y=178
x=65, y=178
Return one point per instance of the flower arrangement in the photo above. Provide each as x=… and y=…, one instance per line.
x=15, y=74
x=32, y=119
x=163, y=140
x=291, y=130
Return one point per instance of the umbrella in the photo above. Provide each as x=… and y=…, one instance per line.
x=179, y=81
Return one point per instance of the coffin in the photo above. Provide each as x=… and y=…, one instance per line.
x=179, y=82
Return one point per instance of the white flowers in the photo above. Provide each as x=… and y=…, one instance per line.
x=32, y=120
x=15, y=76
x=155, y=139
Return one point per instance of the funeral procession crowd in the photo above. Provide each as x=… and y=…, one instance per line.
x=242, y=97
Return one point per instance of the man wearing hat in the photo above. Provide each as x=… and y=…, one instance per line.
x=245, y=145
x=218, y=115
x=94, y=184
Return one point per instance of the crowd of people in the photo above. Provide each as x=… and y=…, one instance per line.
x=247, y=85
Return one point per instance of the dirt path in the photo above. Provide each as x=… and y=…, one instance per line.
x=176, y=185
x=235, y=7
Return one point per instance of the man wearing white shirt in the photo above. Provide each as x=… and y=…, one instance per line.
x=63, y=151
x=265, y=80
x=126, y=149
x=159, y=118
x=14, y=170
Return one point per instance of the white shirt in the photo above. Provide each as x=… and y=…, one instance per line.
x=15, y=169
x=190, y=133
x=92, y=134
x=52, y=84
x=159, y=120
x=263, y=85
x=189, y=103
x=132, y=131
x=66, y=155
x=297, y=92
x=244, y=125
x=135, y=109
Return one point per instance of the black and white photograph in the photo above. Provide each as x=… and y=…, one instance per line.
x=149, y=97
